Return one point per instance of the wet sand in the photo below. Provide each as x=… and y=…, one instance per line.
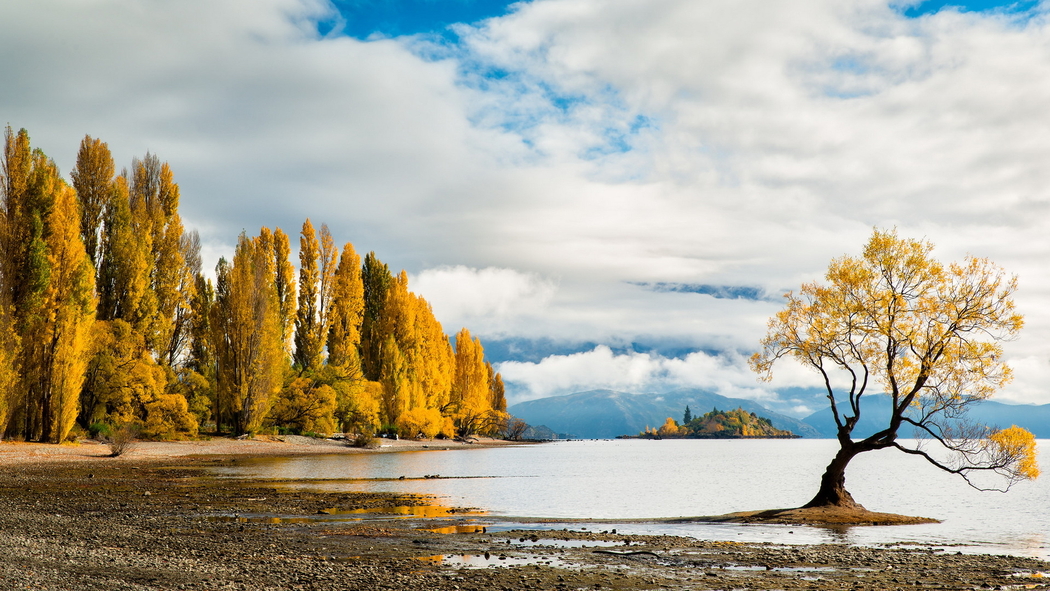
x=154, y=519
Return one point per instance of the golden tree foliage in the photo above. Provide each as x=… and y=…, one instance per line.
x=284, y=283
x=470, y=387
x=48, y=290
x=347, y=312
x=929, y=335
x=168, y=417
x=14, y=177
x=1007, y=445
x=121, y=375
x=305, y=406
x=421, y=422
x=401, y=365
x=106, y=316
x=123, y=269
x=497, y=391
x=154, y=201
x=417, y=368
x=60, y=340
x=316, y=267
x=125, y=385
x=670, y=427
x=93, y=180
x=9, y=347
x=435, y=356
x=246, y=335
x=358, y=405
x=376, y=280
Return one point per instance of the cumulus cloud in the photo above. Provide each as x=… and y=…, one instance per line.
x=486, y=300
x=717, y=143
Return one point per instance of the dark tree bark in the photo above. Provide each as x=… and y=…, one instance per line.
x=832, y=492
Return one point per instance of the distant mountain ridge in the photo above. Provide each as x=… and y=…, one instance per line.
x=605, y=414
x=875, y=412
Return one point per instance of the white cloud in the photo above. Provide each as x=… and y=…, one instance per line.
x=725, y=374
x=488, y=300
x=735, y=142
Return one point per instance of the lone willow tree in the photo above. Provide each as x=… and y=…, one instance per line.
x=926, y=334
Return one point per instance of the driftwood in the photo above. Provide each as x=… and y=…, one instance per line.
x=627, y=553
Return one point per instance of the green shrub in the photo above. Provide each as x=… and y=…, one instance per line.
x=100, y=430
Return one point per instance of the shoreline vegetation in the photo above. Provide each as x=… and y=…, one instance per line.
x=154, y=519
x=109, y=322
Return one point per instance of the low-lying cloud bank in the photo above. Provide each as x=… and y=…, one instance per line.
x=794, y=391
x=726, y=374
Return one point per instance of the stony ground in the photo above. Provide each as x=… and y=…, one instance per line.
x=122, y=524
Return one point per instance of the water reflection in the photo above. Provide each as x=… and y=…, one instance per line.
x=344, y=515
x=624, y=480
x=458, y=529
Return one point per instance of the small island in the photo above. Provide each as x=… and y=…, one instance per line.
x=717, y=424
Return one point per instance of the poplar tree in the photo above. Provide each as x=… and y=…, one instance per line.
x=185, y=288
x=171, y=281
x=284, y=282
x=246, y=335
x=346, y=312
x=48, y=284
x=400, y=355
x=397, y=385
x=123, y=270
x=497, y=391
x=198, y=373
x=93, y=180
x=376, y=280
x=436, y=358
x=69, y=302
x=14, y=260
x=9, y=350
x=470, y=387
x=316, y=268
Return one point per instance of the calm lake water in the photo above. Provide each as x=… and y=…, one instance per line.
x=638, y=479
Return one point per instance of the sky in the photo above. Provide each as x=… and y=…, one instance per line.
x=609, y=193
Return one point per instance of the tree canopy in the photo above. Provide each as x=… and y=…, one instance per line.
x=107, y=319
x=927, y=334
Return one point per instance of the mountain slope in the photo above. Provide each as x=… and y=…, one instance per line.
x=875, y=413
x=602, y=414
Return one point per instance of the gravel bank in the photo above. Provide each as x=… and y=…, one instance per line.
x=156, y=523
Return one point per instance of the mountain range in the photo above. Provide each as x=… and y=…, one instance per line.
x=604, y=414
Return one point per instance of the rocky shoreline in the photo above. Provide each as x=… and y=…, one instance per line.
x=165, y=524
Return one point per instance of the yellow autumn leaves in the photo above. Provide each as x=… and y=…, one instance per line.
x=929, y=335
x=1018, y=443
x=106, y=317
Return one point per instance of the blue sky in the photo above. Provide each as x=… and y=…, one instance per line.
x=393, y=18
x=934, y=6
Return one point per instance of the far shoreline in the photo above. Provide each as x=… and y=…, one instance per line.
x=18, y=452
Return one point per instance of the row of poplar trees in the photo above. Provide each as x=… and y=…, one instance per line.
x=107, y=319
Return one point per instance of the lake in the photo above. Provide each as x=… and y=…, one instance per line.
x=639, y=479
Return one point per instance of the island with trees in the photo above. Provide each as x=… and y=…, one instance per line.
x=717, y=424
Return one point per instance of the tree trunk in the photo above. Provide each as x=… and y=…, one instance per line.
x=833, y=491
